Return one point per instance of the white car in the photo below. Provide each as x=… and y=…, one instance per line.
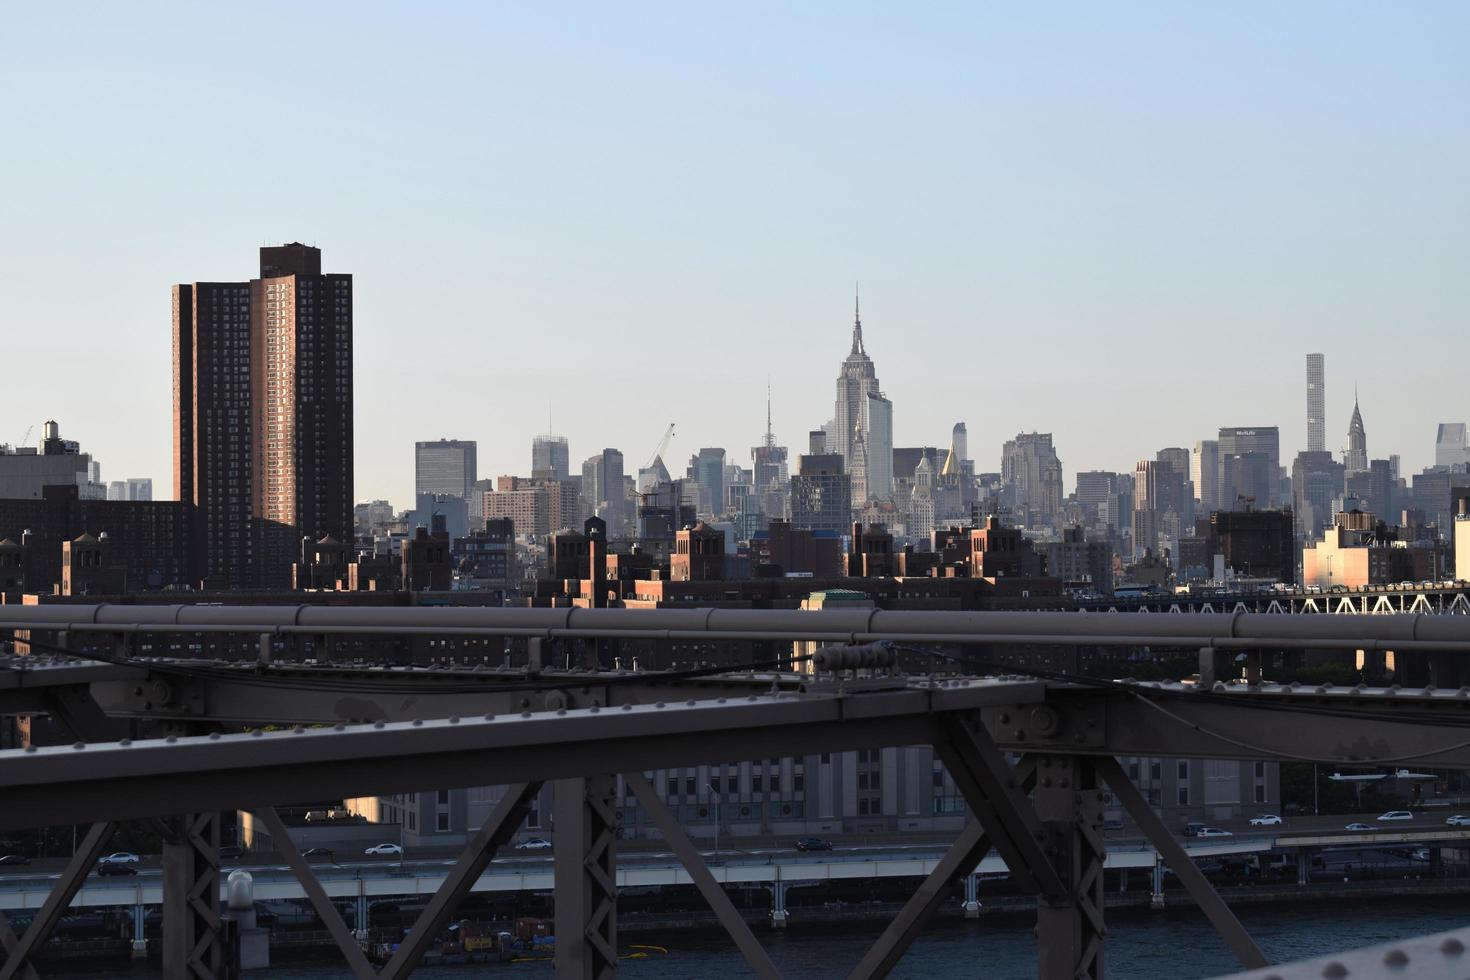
x=1395, y=815
x=384, y=849
x=121, y=857
x=1213, y=832
x=534, y=844
x=1266, y=820
x=1458, y=821
x=1357, y=826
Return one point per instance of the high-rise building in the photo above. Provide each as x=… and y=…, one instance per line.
x=856, y=381
x=1316, y=401
x=1204, y=471
x=1250, y=465
x=959, y=441
x=768, y=458
x=134, y=488
x=1033, y=477
x=707, y=469
x=550, y=458
x=1451, y=445
x=880, y=448
x=444, y=467
x=821, y=496
x=1355, y=457
x=263, y=415
x=604, y=493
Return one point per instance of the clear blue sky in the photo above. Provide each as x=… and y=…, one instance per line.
x=1124, y=223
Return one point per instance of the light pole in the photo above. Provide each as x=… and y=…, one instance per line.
x=716, y=794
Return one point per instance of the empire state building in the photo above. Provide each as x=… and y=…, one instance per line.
x=862, y=426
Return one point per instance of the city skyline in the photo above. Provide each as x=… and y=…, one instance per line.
x=1116, y=206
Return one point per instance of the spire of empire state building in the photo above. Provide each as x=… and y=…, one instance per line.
x=857, y=323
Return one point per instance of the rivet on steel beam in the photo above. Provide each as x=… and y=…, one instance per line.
x=454, y=719
x=561, y=711
x=79, y=745
x=690, y=702
x=379, y=724
x=214, y=736
x=1334, y=969
x=720, y=701
x=298, y=729
x=1395, y=957
x=418, y=722
x=524, y=714
x=660, y=704
x=339, y=727
x=174, y=738
x=30, y=748
x=594, y=709
x=256, y=733
x=125, y=742
x=1452, y=947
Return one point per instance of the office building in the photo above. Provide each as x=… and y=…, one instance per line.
x=1316, y=402
x=133, y=488
x=855, y=381
x=821, y=496
x=550, y=458
x=1358, y=550
x=1316, y=481
x=880, y=448
x=444, y=467
x=707, y=470
x=604, y=494
x=262, y=432
x=1032, y=474
x=1204, y=472
x=25, y=471
x=1451, y=445
x=1249, y=466
x=1355, y=457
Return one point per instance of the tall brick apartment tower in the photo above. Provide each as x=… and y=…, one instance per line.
x=263, y=415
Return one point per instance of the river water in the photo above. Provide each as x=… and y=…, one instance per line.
x=1172, y=945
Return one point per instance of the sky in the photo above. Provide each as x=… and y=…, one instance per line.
x=1125, y=224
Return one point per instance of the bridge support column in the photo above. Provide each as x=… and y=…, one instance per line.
x=1214, y=665
x=972, y=896
x=191, y=919
x=1122, y=880
x=1156, y=900
x=1303, y=866
x=585, y=862
x=360, y=930
x=1069, y=926
x=140, y=937
x=778, y=904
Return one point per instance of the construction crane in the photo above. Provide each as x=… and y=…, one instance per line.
x=27, y=437
x=663, y=445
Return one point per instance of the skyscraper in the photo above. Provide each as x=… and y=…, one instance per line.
x=1204, y=470
x=1355, y=457
x=550, y=458
x=1250, y=465
x=1033, y=477
x=880, y=448
x=1451, y=445
x=1316, y=399
x=856, y=380
x=263, y=415
x=444, y=467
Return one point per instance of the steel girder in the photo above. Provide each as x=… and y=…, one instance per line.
x=585, y=871
x=191, y=918
x=18, y=951
x=1069, y=928
x=245, y=771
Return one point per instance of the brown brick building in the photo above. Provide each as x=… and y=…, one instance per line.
x=263, y=416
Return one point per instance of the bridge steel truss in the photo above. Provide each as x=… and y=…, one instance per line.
x=1042, y=813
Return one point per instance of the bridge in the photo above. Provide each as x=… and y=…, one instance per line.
x=1041, y=814
x=1427, y=598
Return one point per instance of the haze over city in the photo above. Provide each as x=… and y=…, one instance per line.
x=1123, y=226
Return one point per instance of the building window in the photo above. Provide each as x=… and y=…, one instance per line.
x=443, y=823
x=1260, y=770
x=1184, y=796
x=689, y=786
x=444, y=797
x=1183, y=770
x=1260, y=794
x=1155, y=772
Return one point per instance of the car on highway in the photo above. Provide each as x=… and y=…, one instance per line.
x=107, y=869
x=1357, y=826
x=13, y=859
x=121, y=857
x=1213, y=832
x=384, y=849
x=812, y=844
x=1395, y=815
x=534, y=844
x=317, y=852
x=1266, y=820
x=1458, y=821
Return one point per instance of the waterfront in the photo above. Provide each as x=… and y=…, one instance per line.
x=1172, y=945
